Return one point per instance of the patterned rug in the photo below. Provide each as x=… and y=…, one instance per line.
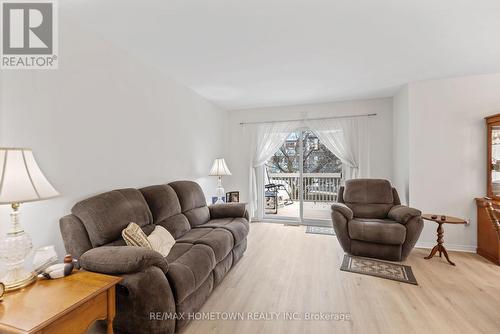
x=320, y=230
x=365, y=266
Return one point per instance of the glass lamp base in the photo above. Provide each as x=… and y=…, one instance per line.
x=17, y=278
x=14, y=248
x=220, y=193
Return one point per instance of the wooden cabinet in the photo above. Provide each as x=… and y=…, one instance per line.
x=493, y=156
x=488, y=241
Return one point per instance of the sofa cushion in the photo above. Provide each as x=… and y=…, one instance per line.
x=377, y=231
x=194, y=235
x=198, y=216
x=191, y=304
x=379, y=251
x=106, y=215
x=378, y=211
x=375, y=191
x=227, y=210
x=238, y=227
x=222, y=268
x=177, y=225
x=189, y=270
x=177, y=251
x=192, y=201
x=190, y=194
x=218, y=239
x=166, y=209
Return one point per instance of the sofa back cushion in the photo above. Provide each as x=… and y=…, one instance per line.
x=368, y=198
x=75, y=236
x=373, y=191
x=106, y=215
x=166, y=209
x=192, y=201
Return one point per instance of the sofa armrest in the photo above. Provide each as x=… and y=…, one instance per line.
x=343, y=209
x=414, y=227
x=340, y=222
x=402, y=213
x=116, y=260
x=227, y=210
x=145, y=303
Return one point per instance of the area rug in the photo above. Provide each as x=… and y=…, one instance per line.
x=320, y=230
x=377, y=268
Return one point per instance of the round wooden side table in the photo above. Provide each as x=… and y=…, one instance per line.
x=440, y=232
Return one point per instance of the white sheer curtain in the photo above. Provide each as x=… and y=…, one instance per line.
x=347, y=138
x=266, y=139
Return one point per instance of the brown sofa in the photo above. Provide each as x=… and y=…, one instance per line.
x=370, y=221
x=157, y=294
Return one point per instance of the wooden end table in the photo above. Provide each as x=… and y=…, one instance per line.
x=60, y=306
x=440, y=232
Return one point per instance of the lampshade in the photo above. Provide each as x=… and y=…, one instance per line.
x=219, y=168
x=21, y=180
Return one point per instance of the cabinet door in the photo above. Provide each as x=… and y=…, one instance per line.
x=494, y=160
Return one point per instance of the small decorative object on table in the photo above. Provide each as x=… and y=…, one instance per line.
x=440, y=232
x=21, y=181
x=59, y=270
x=219, y=169
x=43, y=258
x=232, y=196
x=217, y=200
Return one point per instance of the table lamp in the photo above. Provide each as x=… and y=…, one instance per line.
x=219, y=168
x=21, y=180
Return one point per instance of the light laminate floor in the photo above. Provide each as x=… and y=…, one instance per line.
x=287, y=270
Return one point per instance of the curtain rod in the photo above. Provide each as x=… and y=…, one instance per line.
x=308, y=119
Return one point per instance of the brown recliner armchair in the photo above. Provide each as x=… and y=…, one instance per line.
x=370, y=221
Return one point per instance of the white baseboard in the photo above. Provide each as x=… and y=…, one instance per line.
x=452, y=247
x=420, y=244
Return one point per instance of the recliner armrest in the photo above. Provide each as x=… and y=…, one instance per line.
x=116, y=260
x=343, y=209
x=227, y=210
x=402, y=213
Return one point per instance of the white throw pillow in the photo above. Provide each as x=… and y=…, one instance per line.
x=161, y=240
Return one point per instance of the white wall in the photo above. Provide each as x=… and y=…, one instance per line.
x=448, y=151
x=381, y=134
x=401, y=148
x=104, y=121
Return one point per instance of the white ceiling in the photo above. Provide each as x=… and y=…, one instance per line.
x=248, y=53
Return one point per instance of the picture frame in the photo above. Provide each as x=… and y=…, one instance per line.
x=271, y=204
x=233, y=197
x=215, y=198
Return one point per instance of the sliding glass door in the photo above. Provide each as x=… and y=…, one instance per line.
x=301, y=180
x=282, y=185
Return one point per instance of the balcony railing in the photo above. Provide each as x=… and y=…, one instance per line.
x=318, y=187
